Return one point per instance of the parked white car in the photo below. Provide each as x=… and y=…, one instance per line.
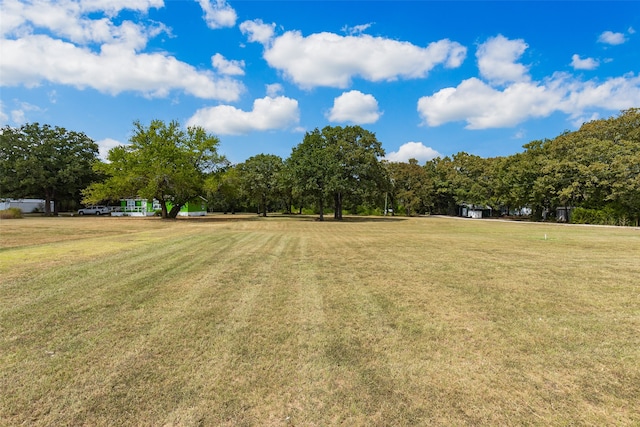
x=94, y=210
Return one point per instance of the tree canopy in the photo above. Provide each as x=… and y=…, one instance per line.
x=45, y=162
x=337, y=163
x=594, y=171
x=259, y=179
x=595, y=168
x=162, y=162
x=410, y=186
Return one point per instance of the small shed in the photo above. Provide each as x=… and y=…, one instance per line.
x=195, y=207
x=25, y=205
x=474, y=211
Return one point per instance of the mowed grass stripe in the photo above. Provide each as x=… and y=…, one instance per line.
x=464, y=324
x=195, y=346
x=361, y=334
x=122, y=298
x=285, y=321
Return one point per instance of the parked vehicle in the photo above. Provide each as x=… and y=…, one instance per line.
x=95, y=210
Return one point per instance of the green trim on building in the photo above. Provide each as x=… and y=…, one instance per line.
x=144, y=207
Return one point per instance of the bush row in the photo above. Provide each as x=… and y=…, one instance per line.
x=605, y=216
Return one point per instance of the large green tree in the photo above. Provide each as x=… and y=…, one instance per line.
x=259, y=179
x=411, y=187
x=44, y=161
x=595, y=167
x=625, y=188
x=357, y=171
x=471, y=178
x=287, y=188
x=514, y=178
x=338, y=163
x=223, y=187
x=441, y=172
x=162, y=162
x=309, y=162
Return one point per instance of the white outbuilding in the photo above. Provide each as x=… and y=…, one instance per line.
x=25, y=205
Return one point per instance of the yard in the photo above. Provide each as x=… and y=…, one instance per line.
x=240, y=320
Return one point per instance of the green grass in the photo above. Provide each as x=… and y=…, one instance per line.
x=288, y=321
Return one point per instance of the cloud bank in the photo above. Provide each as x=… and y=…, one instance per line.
x=505, y=95
x=332, y=60
x=66, y=52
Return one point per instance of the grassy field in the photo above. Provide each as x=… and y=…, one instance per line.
x=288, y=321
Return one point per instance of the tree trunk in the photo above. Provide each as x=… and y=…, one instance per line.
x=173, y=213
x=337, y=214
x=48, y=196
x=163, y=208
x=321, y=207
x=264, y=207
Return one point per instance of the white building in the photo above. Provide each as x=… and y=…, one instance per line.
x=25, y=205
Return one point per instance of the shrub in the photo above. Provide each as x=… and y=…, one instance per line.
x=605, y=216
x=11, y=213
x=369, y=211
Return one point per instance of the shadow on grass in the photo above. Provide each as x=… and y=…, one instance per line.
x=216, y=217
x=362, y=219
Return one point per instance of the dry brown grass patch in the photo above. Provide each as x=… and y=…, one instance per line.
x=282, y=321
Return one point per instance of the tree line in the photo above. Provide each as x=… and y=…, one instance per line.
x=594, y=171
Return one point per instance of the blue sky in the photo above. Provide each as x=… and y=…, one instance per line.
x=429, y=78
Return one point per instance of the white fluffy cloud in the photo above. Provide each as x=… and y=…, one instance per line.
x=613, y=94
x=65, y=56
x=497, y=60
x=413, y=150
x=609, y=37
x=258, y=31
x=36, y=58
x=482, y=105
x=268, y=114
x=328, y=59
x=225, y=66
x=69, y=20
x=355, y=107
x=218, y=14
x=583, y=64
